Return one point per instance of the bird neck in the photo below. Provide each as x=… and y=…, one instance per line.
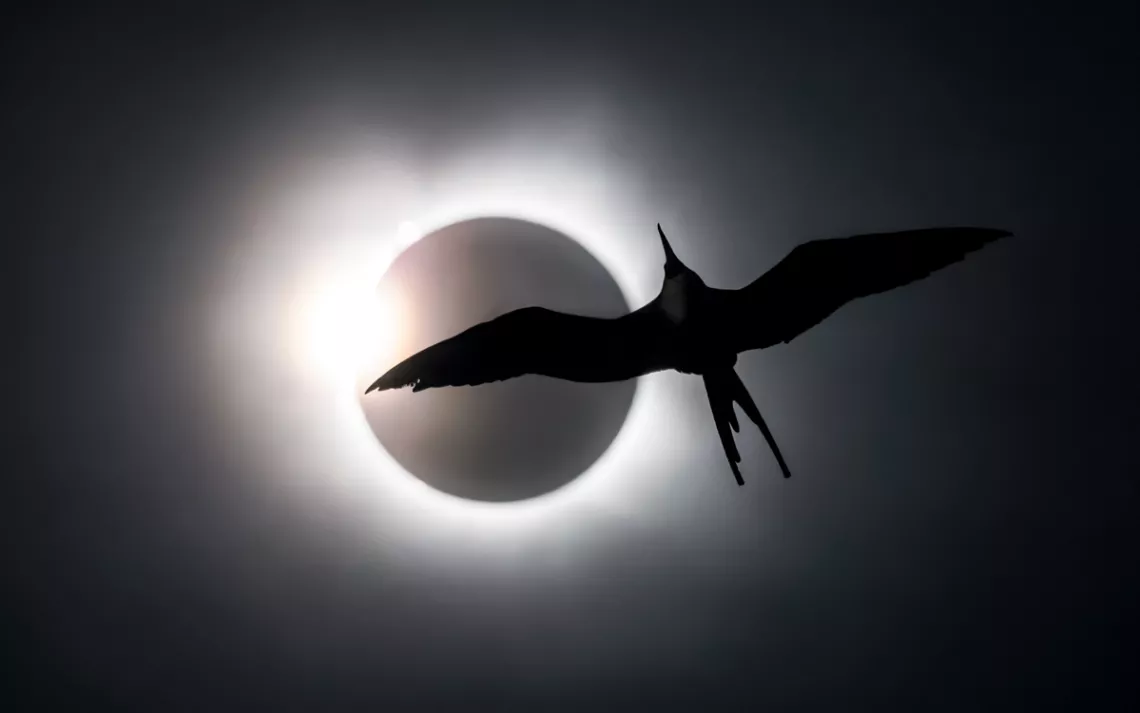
x=685, y=280
x=677, y=295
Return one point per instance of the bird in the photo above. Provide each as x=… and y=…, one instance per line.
x=691, y=327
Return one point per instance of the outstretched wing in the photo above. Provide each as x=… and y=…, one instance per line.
x=819, y=277
x=534, y=340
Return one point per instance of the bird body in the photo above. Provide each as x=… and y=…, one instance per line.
x=690, y=327
x=692, y=338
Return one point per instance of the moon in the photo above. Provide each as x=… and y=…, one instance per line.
x=511, y=440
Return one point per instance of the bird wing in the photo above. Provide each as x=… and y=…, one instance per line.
x=818, y=277
x=535, y=340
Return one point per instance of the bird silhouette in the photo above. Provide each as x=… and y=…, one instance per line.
x=690, y=327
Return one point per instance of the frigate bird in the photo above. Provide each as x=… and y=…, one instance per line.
x=691, y=327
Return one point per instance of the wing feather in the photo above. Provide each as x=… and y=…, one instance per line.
x=533, y=340
x=819, y=277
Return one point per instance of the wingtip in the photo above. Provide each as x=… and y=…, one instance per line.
x=994, y=235
x=980, y=237
x=991, y=234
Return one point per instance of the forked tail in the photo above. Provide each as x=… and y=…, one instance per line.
x=725, y=389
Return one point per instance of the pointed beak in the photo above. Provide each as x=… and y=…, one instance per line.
x=671, y=260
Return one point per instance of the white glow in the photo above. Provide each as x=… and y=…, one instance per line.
x=336, y=230
x=340, y=325
x=409, y=233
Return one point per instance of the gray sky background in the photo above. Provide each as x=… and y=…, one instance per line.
x=959, y=533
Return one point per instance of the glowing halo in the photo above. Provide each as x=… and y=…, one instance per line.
x=408, y=233
x=355, y=220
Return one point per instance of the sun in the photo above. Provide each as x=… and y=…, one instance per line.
x=327, y=240
x=342, y=324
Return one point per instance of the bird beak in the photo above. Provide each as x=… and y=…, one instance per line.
x=671, y=261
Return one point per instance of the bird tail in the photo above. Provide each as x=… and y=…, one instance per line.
x=725, y=390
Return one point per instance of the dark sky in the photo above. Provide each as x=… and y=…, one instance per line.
x=960, y=533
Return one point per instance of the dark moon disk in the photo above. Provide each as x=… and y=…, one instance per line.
x=509, y=440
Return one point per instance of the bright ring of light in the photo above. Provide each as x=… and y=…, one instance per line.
x=408, y=233
x=377, y=209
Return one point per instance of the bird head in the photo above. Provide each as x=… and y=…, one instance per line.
x=673, y=266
